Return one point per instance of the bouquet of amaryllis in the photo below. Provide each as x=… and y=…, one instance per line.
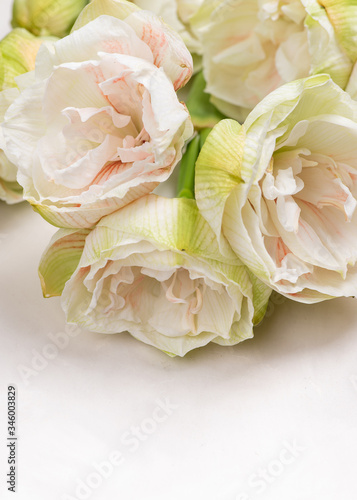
x=94, y=118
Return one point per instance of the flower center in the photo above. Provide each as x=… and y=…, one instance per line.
x=310, y=205
x=141, y=294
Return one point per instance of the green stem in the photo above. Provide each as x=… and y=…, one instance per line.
x=186, y=182
x=204, y=134
x=203, y=112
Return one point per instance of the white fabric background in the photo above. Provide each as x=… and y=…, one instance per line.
x=237, y=410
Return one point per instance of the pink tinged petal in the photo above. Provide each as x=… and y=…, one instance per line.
x=305, y=243
x=288, y=266
x=168, y=49
x=276, y=249
x=136, y=153
x=152, y=82
x=124, y=94
x=89, y=127
x=324, y=188
x=83, y=115
x=83, y=170
x=292, y=269
x=129, y=142
x=108, y=171
x=348, y=176
x=103, y=34
x=338, y=236
x=163, y=115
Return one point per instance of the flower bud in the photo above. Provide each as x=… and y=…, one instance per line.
x=47, y=17
x=18, y=52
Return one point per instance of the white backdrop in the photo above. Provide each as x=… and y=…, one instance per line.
x=107, y=418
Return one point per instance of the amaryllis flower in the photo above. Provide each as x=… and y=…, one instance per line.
x=154, y=269
x=282, y=189
x=251, y=47
x=99, y=124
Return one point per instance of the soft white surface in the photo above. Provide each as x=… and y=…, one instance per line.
x=296, y=381
x=5, y=17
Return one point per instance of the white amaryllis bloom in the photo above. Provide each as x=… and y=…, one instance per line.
x=177, y=14
x=251, y=47
x=282, y=189
x=18, y=52
x=154, y=269
x=100, y=124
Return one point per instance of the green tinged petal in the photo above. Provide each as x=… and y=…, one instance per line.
x=343, y=17
x=327, y=56
x=261, y=295
x=18, y=52
x=47, y=17
x=60, y=260
x=218, y=171
x=175, y=224
x=11, y=192
x=225, y=168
